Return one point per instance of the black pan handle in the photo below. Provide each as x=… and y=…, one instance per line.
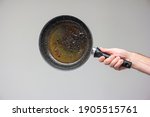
x=99, y=53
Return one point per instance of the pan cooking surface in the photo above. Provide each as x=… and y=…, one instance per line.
x=67, y=41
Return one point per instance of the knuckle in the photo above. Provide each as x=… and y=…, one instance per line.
x=118, y=58
x=100, y=60
x=106, y=62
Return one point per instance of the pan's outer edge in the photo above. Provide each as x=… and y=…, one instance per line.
x=50, y=60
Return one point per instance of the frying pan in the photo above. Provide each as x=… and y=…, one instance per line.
x=66, y=43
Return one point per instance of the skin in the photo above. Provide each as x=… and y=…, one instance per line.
x=139, y=62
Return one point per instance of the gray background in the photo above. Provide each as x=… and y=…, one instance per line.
x=114, y=23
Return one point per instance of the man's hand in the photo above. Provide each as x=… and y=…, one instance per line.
x=116, y=57
x=139, y=62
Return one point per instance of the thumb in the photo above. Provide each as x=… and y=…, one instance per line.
x=106, y=50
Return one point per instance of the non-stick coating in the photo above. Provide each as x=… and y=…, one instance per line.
x=43, y=43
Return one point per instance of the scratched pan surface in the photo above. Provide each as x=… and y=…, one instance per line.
x=65, y=42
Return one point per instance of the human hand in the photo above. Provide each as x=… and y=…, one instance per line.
x=116, y=58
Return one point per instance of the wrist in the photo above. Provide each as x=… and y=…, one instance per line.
x=132, y=58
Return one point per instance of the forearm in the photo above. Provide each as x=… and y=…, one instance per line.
x=140, y=62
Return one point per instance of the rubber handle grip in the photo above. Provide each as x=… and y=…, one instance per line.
x=99, y=53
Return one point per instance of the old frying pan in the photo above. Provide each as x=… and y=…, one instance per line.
x=66, y=43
